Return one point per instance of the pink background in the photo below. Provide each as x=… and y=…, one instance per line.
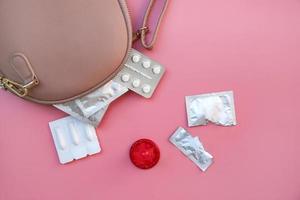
x=250, y=47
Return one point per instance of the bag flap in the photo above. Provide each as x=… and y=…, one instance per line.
x=73, y=46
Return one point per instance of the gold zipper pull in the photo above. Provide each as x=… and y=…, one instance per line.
x=16, y=88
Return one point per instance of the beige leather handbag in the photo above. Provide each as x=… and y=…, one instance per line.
x=53, y=51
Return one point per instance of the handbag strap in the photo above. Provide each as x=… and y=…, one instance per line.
x=142, y=32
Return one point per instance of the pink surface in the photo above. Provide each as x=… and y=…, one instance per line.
x=250, y=47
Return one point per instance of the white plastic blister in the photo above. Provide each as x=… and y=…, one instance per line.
x=217, y=108
x=192, y=148
x=73, y=139
x=140, y=74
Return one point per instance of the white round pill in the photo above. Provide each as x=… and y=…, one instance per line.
x=156, y=69
x=146, y=64
x=136, y=58
x=146, y=88
x=136, y=83
x=125, y=77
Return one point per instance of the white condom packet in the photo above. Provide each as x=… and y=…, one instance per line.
x=217, y=108
x=100, y=98
x=192, y=148
x=73, y=139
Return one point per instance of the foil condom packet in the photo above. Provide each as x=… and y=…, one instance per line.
x=217, y=108
x=72, y=109
x=100, y=98
x=192, y=148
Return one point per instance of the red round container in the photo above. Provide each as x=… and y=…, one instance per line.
x=144, y=154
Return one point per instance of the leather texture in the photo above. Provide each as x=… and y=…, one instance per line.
x=74, y=46
x=144, y=29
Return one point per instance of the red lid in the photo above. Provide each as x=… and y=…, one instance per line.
x=144, y=154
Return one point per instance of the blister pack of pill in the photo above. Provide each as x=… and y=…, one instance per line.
x=140, y=74
x=73, y=139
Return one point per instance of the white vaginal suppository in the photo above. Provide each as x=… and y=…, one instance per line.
x=73, y=139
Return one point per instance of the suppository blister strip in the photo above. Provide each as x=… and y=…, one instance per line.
x=73, y=139
x=72, y=109
x=100, y=98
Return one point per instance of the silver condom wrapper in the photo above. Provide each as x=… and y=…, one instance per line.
x=217, y=108
x=192, y=148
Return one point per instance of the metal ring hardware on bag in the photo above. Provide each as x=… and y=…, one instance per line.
x=142, y=32
x=16, y=88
